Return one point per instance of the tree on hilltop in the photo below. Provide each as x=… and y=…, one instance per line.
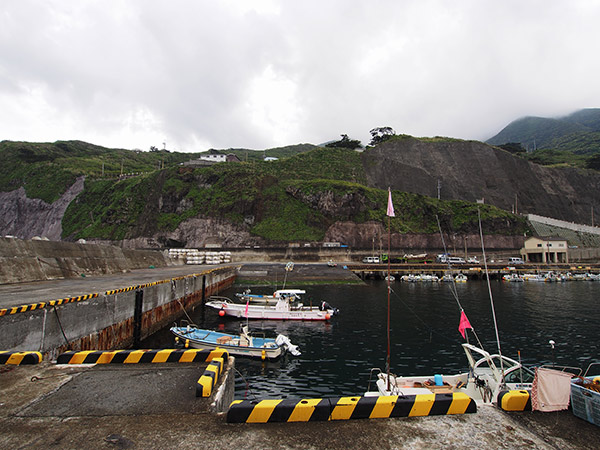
x=381, y=134
x=345, y=142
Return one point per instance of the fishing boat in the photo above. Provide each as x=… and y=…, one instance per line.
x=488, y=374
x=448, y=278
x=460, y=278
x=244, y=344
x=512, y=277
x=282, y=309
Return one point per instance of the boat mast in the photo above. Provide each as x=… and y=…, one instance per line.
x=390, y=213
x=487, y=276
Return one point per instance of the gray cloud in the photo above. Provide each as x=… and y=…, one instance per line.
x=200, y=74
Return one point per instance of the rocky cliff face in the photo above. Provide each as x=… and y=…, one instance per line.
x=469, y=170
x=25, y=217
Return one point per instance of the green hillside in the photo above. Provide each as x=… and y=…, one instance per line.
x=245, y=154
x=46, y=170
x=570, y=141
x=296, y=198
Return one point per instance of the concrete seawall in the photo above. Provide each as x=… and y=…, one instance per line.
x=25, y=261
x=116, y=318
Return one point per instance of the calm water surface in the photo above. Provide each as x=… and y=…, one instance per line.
x=337, y=356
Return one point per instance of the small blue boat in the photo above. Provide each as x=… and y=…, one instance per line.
x=244, y=344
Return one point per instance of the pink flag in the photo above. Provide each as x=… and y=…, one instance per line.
x=390, y=208
x=464, y=324
x=247, y=301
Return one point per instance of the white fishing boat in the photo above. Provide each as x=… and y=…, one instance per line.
x=448, y=278
x=512, y=277
x=244, y=344
x=488, y=375
x=282, y=309
x=460, y=278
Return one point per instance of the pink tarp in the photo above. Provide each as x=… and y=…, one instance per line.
x=551, y=390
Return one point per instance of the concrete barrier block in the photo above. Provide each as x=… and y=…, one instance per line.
x=140, y=356
x=209, y=379
x=20, y=358
x=349, y=408
x=515, y=400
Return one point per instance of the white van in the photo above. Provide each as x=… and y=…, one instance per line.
x=515, y=260
x=456, y=260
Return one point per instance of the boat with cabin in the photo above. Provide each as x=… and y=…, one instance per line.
x=285, y=307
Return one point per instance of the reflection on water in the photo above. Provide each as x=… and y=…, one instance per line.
x=337, y=356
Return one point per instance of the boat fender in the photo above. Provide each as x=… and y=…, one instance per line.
x=221, y=312
x=327, y=316
x=263, y=355
x=187, y=343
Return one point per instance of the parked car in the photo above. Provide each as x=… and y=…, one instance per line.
x=473, y=260
x=515, y=260
x=371, y=260
x=456, y=260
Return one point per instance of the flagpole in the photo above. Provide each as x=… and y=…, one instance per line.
x=388, y=307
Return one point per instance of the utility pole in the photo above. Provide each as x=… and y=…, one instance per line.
x=439, y=187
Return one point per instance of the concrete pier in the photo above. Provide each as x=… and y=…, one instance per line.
x=102, y=313
x=154, y=407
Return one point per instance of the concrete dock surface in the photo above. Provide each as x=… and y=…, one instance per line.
x=153, y=406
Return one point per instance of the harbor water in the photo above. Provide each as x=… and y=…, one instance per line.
x=337, y=355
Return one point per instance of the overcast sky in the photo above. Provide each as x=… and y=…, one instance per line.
x=260, y=74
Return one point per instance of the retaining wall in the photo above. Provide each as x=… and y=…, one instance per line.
x=33, y=260
x=115, y=319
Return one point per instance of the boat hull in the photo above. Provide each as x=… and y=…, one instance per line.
x=271, y=313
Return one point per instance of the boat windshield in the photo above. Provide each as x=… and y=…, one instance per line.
x=520, y=375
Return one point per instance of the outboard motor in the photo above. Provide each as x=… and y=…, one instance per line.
x=283, y=341
x=326, y=306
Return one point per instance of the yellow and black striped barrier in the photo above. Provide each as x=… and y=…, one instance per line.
x=348, y=408
x=140, y=356
x=515, y=400
x=209, y=379
x=19, y=358
x=40, y=305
